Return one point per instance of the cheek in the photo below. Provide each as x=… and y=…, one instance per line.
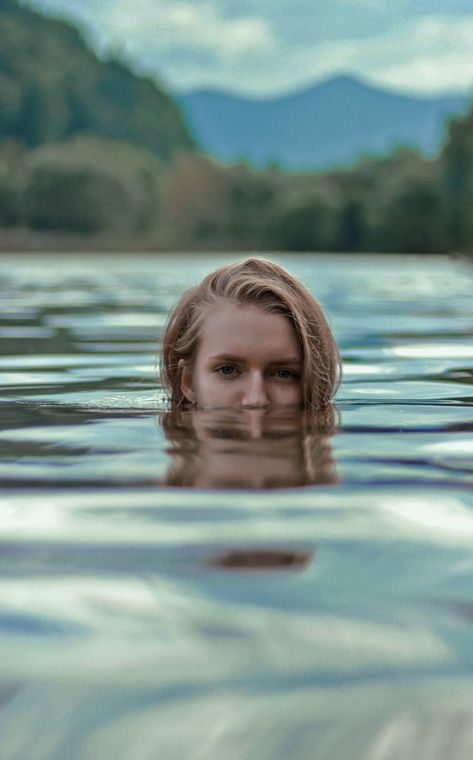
x=290, y=393
x=205, y=381
x=210, y=389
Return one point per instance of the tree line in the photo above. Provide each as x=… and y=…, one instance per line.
x=115, y=191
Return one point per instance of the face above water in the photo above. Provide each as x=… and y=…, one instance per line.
x=247, y=357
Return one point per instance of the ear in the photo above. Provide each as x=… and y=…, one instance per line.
x=187, y=389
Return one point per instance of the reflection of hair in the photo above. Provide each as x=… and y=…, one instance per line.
x=312, y=437
x=261, y=282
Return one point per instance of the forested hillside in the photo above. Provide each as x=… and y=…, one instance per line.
x=52, y=86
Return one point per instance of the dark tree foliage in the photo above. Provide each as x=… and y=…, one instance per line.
x=307, y=224
x=248, y=191
x=351, y=226
x=457, y=181
x=88, y=186
x=52, y=86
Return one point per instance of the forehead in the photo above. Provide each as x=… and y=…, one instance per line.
x=247, y=329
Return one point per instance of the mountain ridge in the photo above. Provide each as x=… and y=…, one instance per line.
x=329, y=81
x=308, y=129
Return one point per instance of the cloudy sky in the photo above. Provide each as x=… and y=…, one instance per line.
x=264, y=47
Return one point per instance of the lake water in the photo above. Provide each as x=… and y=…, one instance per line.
x=307, y=593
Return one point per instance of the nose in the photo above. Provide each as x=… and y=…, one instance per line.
x=255, y=394
x=254, y=419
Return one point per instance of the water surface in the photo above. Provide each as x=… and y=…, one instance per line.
x=227, y=586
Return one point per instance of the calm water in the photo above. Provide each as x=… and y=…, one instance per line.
x=307, y=594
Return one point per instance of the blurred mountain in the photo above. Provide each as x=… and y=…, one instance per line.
x=52, y=86
x=333, y=123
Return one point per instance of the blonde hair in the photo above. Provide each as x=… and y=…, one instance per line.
x=264, y=283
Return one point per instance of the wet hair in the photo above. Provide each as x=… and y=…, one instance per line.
x=266, y=284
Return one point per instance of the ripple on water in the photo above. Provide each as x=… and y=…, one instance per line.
x=304, y=592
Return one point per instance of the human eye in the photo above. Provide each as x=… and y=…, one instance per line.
x=226, y=370
x=286, y=374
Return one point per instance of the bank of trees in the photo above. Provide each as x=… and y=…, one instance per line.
x=112, y=190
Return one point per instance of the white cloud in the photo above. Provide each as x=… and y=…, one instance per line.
x=161, y=25
x=430, y=54
x=194, y=43
x=427, y=54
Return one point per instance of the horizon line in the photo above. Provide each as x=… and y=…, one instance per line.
x=299, y=89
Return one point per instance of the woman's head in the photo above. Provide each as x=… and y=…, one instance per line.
x=249, y=335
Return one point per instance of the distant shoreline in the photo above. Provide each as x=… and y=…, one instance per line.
x=14, y=240
x=33, y=241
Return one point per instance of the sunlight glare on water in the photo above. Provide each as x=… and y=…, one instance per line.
x=208, y=586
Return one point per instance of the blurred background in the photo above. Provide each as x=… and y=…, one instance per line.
x=292, y=125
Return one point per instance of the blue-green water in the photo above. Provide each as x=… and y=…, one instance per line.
x=322, y=612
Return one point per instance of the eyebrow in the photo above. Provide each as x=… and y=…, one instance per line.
x=233, y=358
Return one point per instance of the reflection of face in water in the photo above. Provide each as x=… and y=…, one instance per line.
x=249, y=449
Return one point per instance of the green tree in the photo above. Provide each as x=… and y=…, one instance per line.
x=11, y=165
x=91, y=185
x=456, y=162
x=53, y=86
x=402, y=204
x=305, y=224
x=351, y=225
x=250, y=197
